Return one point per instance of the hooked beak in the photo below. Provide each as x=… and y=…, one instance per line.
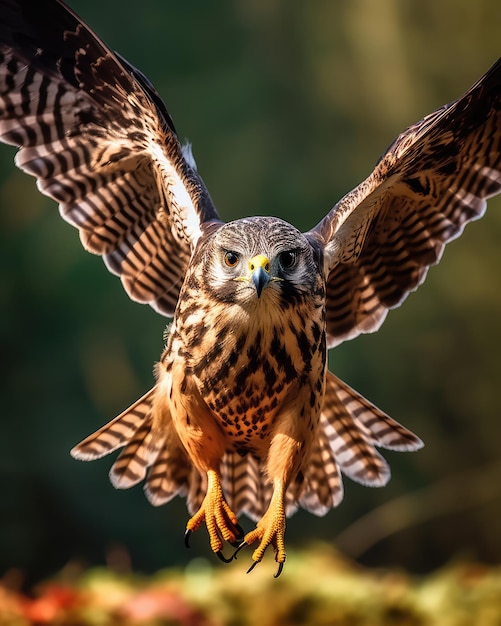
x=259, y=270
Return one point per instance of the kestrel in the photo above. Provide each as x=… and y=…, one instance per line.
x=244, y=416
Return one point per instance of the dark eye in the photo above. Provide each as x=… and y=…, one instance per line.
x=287, y=259
x=231, y=258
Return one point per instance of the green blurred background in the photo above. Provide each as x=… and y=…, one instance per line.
x=288, y=105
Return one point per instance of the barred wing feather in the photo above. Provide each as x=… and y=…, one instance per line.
x=382, y=237
x=98, y=138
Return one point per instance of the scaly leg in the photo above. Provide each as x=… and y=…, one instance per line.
x=288, y=450
x=221, y=522
x=270, y=530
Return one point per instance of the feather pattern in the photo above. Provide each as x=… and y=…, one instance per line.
x=245, y=484
x=97, y=137
x=322, y=488
x=169, y=475
x=136, y=457
x=353, y=426
x=238, y=402
x=196, y=491
x=118, y=432
x=381, y=429
x=382, y=237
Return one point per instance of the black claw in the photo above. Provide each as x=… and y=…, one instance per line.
x=187, y=536
x=252, y=567
x=222, y=558
x=240, y=532
x=240, y=546
x=279, y=570
x=239, y=535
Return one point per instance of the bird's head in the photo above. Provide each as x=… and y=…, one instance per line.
x=261, y=259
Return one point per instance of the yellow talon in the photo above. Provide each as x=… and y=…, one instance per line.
x=270, y=530
x=221, y=522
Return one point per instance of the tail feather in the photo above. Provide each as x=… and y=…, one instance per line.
x=159, y=459
x=247, y=488
x=382, y=429
x=116, y=433
x=350, y=427
x=245, y=484
x=354, y=426
x=133, y=462
x=240, y=482
x=170, y=473
x=197, y=489
x=323, y=486
x=352, y=448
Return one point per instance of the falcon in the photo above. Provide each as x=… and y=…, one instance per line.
x=244, y=417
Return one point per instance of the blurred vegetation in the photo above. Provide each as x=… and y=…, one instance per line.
x=333, y=593
x=288, y=104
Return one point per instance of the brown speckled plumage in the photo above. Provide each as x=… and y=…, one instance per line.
x=244, y=416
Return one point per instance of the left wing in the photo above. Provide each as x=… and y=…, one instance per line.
x=382, y=237
x=100, y=141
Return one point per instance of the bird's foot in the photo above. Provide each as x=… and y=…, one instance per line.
x=270, y=530
x=222, y=524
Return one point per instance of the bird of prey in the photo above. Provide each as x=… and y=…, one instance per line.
x=244, y=417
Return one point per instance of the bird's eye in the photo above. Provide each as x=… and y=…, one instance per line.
x=287, y=259
x=231, y=258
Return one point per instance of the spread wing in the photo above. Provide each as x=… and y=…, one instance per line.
x=99, y=140
x=382, y=237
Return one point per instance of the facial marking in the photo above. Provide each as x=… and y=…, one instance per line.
x=252, y=258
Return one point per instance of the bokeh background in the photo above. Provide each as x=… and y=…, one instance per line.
x=288, y=105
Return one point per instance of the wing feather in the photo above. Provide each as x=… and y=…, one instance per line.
x=382, y=237
x=99, y=140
